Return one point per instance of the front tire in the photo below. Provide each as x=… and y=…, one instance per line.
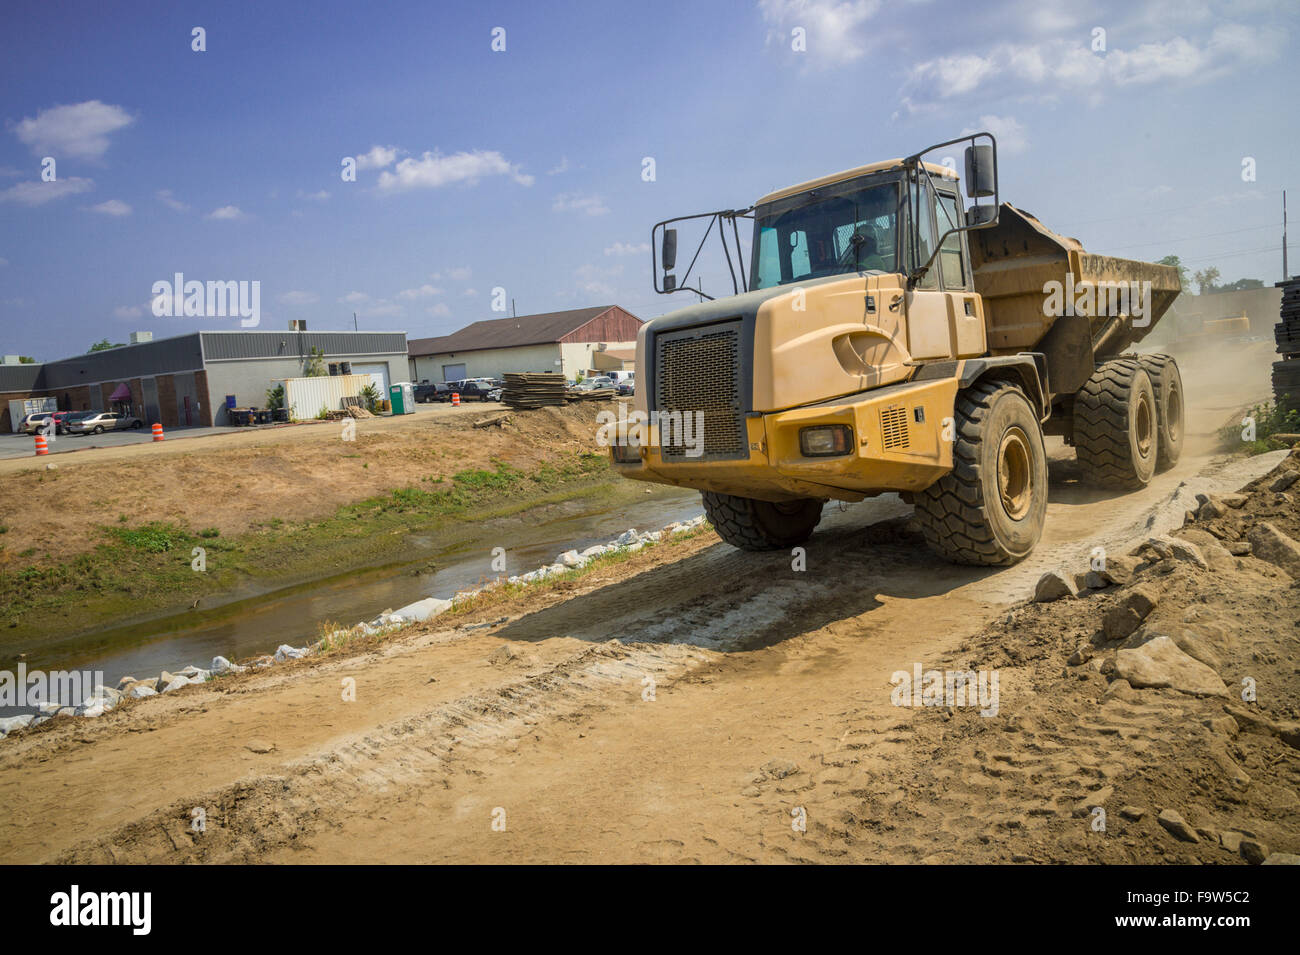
x=1116, y=426
x=761, y=525
x=990, y=508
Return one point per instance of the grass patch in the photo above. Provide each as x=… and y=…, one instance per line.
x=1268, y=420
x=145, y=569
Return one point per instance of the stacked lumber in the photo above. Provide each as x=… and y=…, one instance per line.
x=590, y=394
x=533, y=390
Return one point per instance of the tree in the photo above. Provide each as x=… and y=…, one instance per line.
x=26, y=360
x=104, y=345
x=1205, y=280
x=1241, y=285
x=1174, y=262
x=313, y=366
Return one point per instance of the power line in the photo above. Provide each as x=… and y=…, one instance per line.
x=1188, y=238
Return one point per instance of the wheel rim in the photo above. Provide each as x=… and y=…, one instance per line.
x=1174, y=414
x=1015, y=474
x=1143, y=429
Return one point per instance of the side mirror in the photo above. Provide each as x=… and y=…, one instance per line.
x=981, y=215
x=668, y=252
x=670, y=283
x=981, y=172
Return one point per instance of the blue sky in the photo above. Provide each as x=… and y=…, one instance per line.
x=522, y=169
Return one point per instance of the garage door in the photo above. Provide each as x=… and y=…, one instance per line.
x=377, y=371
x=453, y=372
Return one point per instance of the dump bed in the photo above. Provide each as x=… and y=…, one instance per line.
x=1015, y=264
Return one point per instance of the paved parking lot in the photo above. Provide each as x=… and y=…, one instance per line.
x=24, y=445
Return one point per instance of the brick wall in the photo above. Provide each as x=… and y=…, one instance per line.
x=167, y=401
x=205, y=399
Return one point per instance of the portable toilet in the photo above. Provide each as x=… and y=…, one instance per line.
x=402, y=397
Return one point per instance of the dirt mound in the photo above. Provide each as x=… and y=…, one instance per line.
x=1197, y=763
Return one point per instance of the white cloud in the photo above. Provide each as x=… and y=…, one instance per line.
x=128, y=311
x=113, y=207
x=314, y=196
x=597, y=282
x=355, y=298
x=832, y=27
x=434, y=170
x=470, y=292
x=439, y=311
x=1007, y=130
x=625, y=248
x=383, y=309
x=562, y=167
x=424, y=291
x=298, y=297
x=572, y=202
x=38, y=193
x=460, y=273
x=80, y=131
x=378, y=157
x=1072, y=66
x=166, y=197
x=227, y=212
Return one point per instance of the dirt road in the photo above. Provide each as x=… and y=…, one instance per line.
x=696, y=703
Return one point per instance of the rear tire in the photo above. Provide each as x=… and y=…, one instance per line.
x=761, y=525
x=1168, y=385
x=990, y=508
x=1116, y=426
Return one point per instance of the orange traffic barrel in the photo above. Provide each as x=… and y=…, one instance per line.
x=41, y=446
x=157, y=431
x=455, y=398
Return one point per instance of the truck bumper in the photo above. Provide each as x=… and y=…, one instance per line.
x=900, y=440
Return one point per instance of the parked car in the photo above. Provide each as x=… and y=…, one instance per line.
x=627, y=386
x=33, y=422
x=591, y=384
x=482, y=390
x=97, y=422
x=437, y=391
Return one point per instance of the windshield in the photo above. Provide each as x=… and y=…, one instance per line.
x=831, y=231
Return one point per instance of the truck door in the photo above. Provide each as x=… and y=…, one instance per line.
x=944, y=315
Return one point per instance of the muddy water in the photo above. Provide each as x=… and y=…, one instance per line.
x=261, y=623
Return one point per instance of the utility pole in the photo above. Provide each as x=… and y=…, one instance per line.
x=513, y=313
x=1286, y=275
x=354, y=322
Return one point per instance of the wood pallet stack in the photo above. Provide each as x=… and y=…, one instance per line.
x=535, y=390
x=591, y=394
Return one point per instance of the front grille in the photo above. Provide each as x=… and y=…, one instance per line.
x=893, y=428
x=699, y=370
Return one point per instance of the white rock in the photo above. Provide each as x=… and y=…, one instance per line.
x=595, y=551
x=140, y=691
x=222, y=665
x=629, y=536
x=177, y=683
x=10, y=723
x=570, y=558
x=286, y=652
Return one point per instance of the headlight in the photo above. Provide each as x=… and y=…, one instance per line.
x=826, y=441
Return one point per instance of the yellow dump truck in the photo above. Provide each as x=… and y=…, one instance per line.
x=887, y=336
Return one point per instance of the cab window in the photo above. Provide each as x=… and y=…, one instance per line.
x=952, y=258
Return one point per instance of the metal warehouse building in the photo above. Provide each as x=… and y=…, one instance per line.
x=185, y=380
x=579, y=341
